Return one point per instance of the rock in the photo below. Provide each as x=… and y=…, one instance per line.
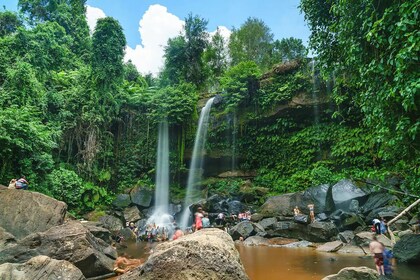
x=377, y=200
x=127, y=234
x=70, y=241
x=111, y=223
x=281, y=205
x=268, y=223
x=131, y=214
x=235, y=207
x=98, y=232
x=354, y=206
x=404, y=232
x=40, y=268
x=344, y=192
x=315, y=232
x=301, y=219
x=206, y=254
x=318, y=197
x=278, y=241
x=94, y=215
x=401, y=224
x=346, y=236
x=245, y=229
x=122, y=201
x=351, y=249
x=351, y=273
x=321, y=217
x=141, y=196
x=25, y=212
x=256, y=217
x=6, y=239
x=299, y=244
x=333, y=246
x=387, y=212
x=407, y=249
x=256, y=241
x=363, y=238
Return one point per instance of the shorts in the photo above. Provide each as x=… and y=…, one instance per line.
x=379, y=259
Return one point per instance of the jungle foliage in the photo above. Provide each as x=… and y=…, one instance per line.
x=81, y=124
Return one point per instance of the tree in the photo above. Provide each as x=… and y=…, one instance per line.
x=216, y=56
x=251, y=42
x=288, y=49
x=9, y=23
x=175, y=61
x=108, y=43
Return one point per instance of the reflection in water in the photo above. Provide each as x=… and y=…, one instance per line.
x=272, y=263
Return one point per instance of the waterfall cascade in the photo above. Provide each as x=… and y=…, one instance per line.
x=196, y=165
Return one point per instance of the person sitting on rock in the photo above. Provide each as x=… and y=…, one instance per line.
x=12, y=184
x=247, y=216
x=296, y=211
x=22, y=184
x=177, y=234
x=205, y=220
x=220, y=220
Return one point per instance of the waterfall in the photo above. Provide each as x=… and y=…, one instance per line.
x=196, y=165
x=160, y=214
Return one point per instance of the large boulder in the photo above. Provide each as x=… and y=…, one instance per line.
x=131, y=214
x=6, y=239
x=141, y=196
x=98, y=231
x=351, y=273
x=345, y=191
x=206, y=254
x=40, y=268
x=332, y=246
x=320, y=196
x=407, y=249
x=70, y=241
x=25, y=212
x=256, y=241
x=377, y=200
x=245, y=229
x=111, y=223
x=314, y=232
x=122, y=201
x=281, y=205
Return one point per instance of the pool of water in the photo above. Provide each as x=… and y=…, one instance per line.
x=272, y=263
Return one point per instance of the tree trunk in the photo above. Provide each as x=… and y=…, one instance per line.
x=391, y=234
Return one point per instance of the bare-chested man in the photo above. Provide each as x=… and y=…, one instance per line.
x=377, y=249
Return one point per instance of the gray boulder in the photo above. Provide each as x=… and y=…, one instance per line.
x=98, y=231
x=407, y=249
x=346, y=236
x=281, y=205
x=70, y=241
x=351, y=273
x=207, y=254
x=122, y=201
x=25, y=212
x=320, y=196
x=246, y=229
x=111, y=223
x=256, y=241
x=40, y=268
x=131, y=214
x=6, y=239
x=345, y=191
x=268, y=223
x=377, y=200
x=141, y=196
x=333, y=246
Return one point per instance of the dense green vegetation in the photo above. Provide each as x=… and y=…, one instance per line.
x=82, y=125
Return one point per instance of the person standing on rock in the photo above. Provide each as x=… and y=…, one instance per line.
x=312, y=212
x=377, y=250
x=198, y=219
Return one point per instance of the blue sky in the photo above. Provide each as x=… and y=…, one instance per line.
x=164, y=18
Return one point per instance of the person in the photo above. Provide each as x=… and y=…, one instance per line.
x=198, y=219
x=377, y=224
x=377, y=250
x=123, y=264
x=247, y=216
x=12, y=184
x=233, y=217
x=388, y=261
x=177, y=234
x=312, y=212
x=296, y=211
x=220, y=220
x=383, y=226
x=22, y=184
x=206, y=221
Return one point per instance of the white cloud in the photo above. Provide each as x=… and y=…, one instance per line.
x=156, y=26
x=92, y=15
x=224, y=31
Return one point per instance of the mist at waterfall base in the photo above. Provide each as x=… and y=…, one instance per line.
x=161, y=216
x=196, y=165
